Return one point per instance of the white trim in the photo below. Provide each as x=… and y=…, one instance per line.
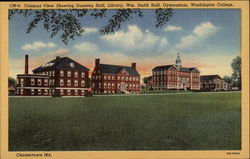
x=51, y=88
x=33, y=76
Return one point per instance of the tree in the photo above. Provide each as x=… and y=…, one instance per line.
x=236, y=76
x=69, y=23
x=11, y=82
x=145, y=80
x=227, y=79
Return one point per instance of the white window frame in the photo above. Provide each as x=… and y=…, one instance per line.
x=68, y=73
x=61, y=73
x=76, y=83
x=32, y=81
x=82, y=83
x=76, y=74
x=61, y=82
x=39, y=82
x=68, y=82
x=32, y=91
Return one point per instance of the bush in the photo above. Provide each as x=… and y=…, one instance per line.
x=88, y=94
x=55, y=94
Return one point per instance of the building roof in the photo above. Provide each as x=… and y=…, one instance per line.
x=61, y=63
x=114, y=69
x=164, y=67
x=209, y=77
x=183, y=69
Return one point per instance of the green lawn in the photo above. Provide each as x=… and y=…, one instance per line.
x=198, y=121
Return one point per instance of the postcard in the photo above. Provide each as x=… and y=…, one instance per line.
x=124, y=79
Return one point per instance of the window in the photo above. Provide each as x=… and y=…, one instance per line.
x=39, y=91
x=82, y=74
x=105, y=77
x=122, y=78
x=53, y=73
x=76, y=74
x=119, y=86
x=71, y=64
x=76, y=83
x=32, y=81
x=61, y=92
x=22, y=81
x=126, y=78
x=93, y=77
x=21, y=91
x=82, y=83
x=118, y=77
x=109, y=77
x=76, y=92
x=61, y=82
x=100, y=85
x=113, y=85
x=108, y=85
x=68, y=82
x=82, y=92
x=45, y=92
x=68, y=92
x=105, y=86
x=32, y=92
x=69, y=73
x=113, y=77
x=46, y=82
x=39, y=82
x=61, y=73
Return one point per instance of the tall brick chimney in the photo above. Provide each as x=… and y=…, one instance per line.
x=97, y=62
x=26, y=71
x=134, y=65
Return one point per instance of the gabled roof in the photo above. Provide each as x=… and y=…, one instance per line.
x=61, y=63
x=114, y=69
x=164, y=67
x=186, y=69
x=209, y=77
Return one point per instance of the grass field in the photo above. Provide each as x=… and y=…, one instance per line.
x=197, y=121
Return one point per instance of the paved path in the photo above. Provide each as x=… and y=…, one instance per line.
x=125, y=95
x=158, y=94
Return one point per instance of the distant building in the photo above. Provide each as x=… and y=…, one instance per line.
x=115, y=78
x=176, y=77
x=214, y=83
x=61, y=76
x=149, y=83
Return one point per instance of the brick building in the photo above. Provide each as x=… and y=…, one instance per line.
x=176, y=77
x=61, y=76
x=115, y=79
x=214, y=83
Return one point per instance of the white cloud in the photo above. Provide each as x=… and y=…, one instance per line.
x=198, y=35
x=88, y=30
x=134, y=38
x=204, y=29
x=86, y=47
x=37, y=45
x=172, y=28
x=60, y=52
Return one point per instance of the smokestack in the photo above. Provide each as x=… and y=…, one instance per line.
x=134, y=66
x=26, y=71
x=97, y=62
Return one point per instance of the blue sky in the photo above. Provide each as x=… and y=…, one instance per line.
x=206, y=39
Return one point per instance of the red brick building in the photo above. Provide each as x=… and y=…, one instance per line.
x=115, y=79
x=214, y=83
x=176, y=77
x=62, y=76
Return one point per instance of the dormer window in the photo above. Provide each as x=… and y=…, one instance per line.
x=71, y=64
